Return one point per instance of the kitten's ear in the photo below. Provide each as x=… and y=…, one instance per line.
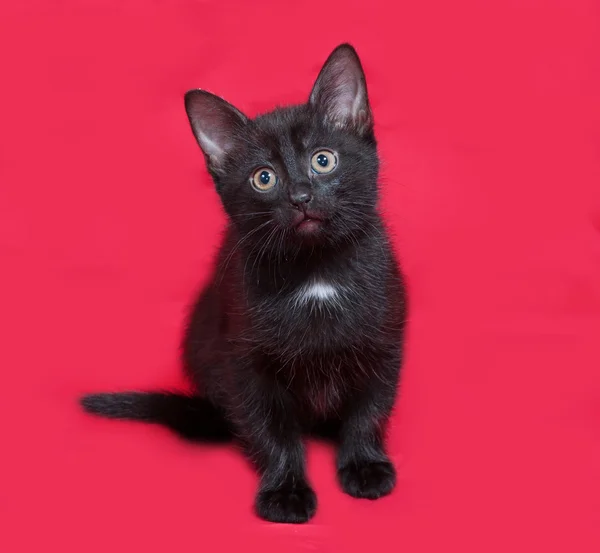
x=216, y=125
x=340, y=91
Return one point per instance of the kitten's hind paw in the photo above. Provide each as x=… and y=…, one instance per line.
x=367, y=479
x=291, y=504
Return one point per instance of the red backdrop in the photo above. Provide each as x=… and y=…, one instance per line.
x=488, y=115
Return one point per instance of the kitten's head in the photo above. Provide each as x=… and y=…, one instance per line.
x=308, y=171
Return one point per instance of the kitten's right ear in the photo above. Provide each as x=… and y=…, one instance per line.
x=340, y=91
x=216, y=125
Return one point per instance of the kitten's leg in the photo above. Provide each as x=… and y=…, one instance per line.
x=284, y=493
x=364, y=469
x=273, y=442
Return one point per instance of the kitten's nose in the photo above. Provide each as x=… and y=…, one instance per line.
x=300, y=197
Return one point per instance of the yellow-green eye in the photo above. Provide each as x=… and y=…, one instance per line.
x=323, y=162
x=264, y=179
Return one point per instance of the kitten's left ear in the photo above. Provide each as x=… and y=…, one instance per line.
x=340, y=91
x=217, y=126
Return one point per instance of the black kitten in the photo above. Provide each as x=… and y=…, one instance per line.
x=300, y=330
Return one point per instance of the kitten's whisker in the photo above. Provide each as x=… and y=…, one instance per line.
x=221, y=273
x=263, y=248
x=250, y=215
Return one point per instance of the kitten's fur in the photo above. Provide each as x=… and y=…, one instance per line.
x=300, y=330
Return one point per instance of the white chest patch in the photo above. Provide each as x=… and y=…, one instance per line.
x=319, y=291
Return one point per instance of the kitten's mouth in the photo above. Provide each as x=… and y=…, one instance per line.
x=308, y=222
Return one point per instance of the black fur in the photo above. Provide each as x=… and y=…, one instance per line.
x=192, y=417
x=300, y=330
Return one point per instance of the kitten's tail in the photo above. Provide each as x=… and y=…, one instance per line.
x=192, y=417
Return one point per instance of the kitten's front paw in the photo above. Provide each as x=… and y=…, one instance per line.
x=367, y=479
x=292, y=504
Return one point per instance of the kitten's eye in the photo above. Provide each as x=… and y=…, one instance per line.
x=264, y=179
x=323, y=162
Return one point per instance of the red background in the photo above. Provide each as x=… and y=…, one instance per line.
x=488, y=116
